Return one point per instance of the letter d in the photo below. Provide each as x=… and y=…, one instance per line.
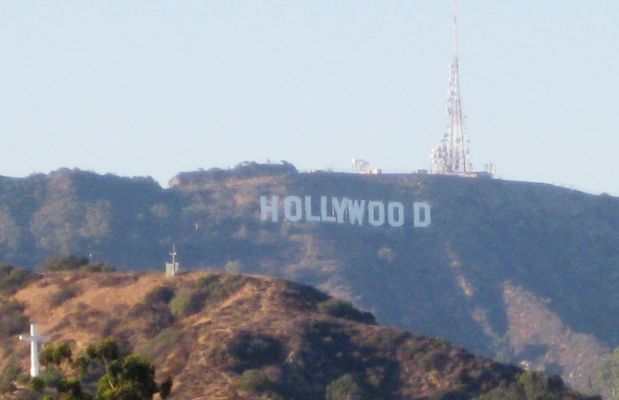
x=422, y=216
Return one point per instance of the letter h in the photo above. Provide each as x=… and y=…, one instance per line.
x=272, y=209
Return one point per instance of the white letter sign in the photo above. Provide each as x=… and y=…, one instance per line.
x=345, y=211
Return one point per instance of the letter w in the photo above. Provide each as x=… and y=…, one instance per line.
x=356, y=210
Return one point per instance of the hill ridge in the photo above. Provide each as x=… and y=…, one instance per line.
x=208, y=330
x=558, y=245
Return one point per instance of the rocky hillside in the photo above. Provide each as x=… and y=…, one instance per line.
x=228, y=336
x=521, y=272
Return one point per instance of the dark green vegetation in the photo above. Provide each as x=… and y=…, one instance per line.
x=343, y=309
x=496, y=250
x=73, y=263
x=13, y=279
x=104, y=371
x=13, y=319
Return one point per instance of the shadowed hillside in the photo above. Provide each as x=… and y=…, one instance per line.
x=228, y=336
x=519, y=271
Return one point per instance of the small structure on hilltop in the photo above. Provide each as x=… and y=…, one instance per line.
x=34, y=338
x=173, y=268
x=361, y=166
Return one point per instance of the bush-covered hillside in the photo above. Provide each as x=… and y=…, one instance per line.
x=229, y=336
x=520, y=271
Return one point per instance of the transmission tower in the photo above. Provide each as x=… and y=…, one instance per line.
x=452, y=155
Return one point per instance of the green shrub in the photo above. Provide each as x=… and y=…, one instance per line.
x=346, y=387
x=162, y=294
x=180, y=303
x=247, y=350
x=254, y=380
x=68, y=262
x=12, y=279
x=230, y=280
x=10, y=373
x=23, y=379
x=13, y=319
x=343, y=309
x=540, y=386
x=155, y=309
x=51, y=378
x=73, y=263
x=159, y=343
x=205, y=281
x=375, y=376
x=55, y=354
x=214, y=288
x=97, y=267
x=331, y=339
x=187, y=302
x=196, y=302
x=63, y=294
x=36, y=384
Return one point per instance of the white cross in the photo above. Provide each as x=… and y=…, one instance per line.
x=173, y=254
x=34, y=340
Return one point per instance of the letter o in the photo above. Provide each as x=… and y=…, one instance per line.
x=395, y=220
x=376, y=213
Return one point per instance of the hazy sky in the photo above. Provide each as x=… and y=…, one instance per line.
x=154, y=88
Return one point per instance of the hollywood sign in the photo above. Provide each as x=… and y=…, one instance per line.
x=344, y=211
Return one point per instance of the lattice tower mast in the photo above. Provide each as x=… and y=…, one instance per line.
x=452, y=155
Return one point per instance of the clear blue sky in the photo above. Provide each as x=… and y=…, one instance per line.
x=154, y=87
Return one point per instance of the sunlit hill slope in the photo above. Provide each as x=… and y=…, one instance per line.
x=240, y=337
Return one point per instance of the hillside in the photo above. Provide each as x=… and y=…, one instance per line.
x=522, y=272
x=241, y=337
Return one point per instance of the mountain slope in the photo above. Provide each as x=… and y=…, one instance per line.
x=241, y=337
x=497, y=254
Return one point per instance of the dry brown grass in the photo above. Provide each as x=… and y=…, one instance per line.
x=198, y=349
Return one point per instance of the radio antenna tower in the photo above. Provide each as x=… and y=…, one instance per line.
x=452, y=155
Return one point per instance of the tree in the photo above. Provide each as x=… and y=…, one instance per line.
x=119, y=374
x=132, y=378
x=55, y=354
x=345, y=387
x=37, y=384
x=126, y=376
